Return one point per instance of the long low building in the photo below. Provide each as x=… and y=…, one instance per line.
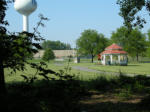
x=58, y=53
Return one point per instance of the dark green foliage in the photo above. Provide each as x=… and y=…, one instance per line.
x=55, y=45
x=129, y=12
x=48, y=55
x=15, y=49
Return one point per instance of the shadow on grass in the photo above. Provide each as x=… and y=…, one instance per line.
x=120, y=94
x=43, y=96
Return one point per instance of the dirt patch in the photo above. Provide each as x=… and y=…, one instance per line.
x=109, y=102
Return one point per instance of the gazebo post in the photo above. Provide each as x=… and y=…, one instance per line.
x=104, y=59
x=111, y=58
x=119, y=58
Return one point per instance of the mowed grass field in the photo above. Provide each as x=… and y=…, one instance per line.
x=55, y=66
x=132, y=68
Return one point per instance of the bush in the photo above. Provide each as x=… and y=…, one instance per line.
x=48, y=55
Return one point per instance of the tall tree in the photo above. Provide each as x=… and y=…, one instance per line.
x=134, y=44
x=138, y=43
x=91, y=43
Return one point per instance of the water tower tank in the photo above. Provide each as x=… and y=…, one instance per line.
x=25, y=7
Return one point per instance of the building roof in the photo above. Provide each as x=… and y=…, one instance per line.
x=114, y=49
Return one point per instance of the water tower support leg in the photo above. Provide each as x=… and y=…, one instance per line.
x=25, y=23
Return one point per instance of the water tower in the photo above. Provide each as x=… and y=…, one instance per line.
x=25, y=7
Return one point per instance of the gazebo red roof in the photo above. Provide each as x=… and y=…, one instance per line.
x=114, y=49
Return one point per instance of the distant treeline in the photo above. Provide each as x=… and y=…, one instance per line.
x=55, y=45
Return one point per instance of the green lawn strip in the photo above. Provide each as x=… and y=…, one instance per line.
x=138, y=68
x=82, y=75
x=135, y=68
x=141, y=68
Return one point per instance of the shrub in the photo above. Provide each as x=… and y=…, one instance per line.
x=48, y=55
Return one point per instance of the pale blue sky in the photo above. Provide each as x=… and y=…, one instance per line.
x=68, y=18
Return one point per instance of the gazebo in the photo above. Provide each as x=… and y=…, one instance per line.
x=114, y=55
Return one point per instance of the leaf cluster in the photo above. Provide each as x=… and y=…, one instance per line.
x=129, y=11
x=16, y=48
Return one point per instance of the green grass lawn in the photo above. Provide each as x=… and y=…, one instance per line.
x=139, y=68
x=132, y=68
x=82, y=75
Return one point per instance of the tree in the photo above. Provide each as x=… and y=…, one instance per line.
x=55, y=45
x=137, y=43
x=129, y=11
x=91, y=43
x=48, y=55
x=134, y=44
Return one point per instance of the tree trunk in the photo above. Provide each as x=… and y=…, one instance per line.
x=92, y=58
x=137, y=57
x=2, y=79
